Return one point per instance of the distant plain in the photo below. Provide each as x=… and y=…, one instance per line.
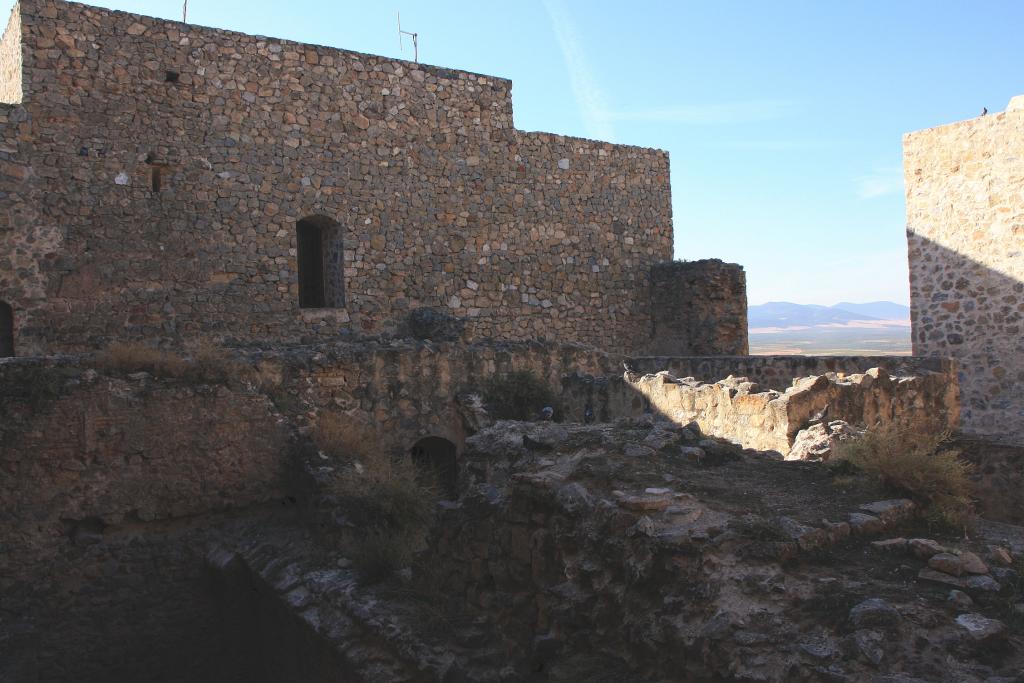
x=780, y=328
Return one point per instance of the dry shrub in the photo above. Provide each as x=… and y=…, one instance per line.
x=519, y=395
x=388, y=501
x=917, y=465
x=137, y=357
x=206, y=364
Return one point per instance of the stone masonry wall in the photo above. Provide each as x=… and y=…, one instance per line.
x=965, y=234
x=111, y=488
x=743, y=412
x=172, y=163
x=699, y=308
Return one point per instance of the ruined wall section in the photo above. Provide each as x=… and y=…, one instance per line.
x=699, y=308
x=965, y=231
x=439, y=200
x=111, y=489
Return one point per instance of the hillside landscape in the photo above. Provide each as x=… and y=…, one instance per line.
x=846, y=328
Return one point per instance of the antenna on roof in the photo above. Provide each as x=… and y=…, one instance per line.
x=415, y=39
x=184, y=12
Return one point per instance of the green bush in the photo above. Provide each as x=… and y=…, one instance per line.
x=519, y=395
x=916, y=465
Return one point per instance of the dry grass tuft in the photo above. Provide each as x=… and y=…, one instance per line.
x=206, y=364
x=388, y=501
x=916, y=465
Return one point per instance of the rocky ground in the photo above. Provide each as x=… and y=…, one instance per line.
x=639, y=551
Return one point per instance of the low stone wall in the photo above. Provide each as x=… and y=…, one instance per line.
x=778, y=372
x=738, y=410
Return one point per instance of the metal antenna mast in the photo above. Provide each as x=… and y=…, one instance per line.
x=415, y=39
x=184, y=12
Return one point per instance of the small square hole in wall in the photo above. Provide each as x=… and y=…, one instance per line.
x=171, y=77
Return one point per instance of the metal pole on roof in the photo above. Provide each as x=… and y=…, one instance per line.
x=415, y=40
x=184, y=12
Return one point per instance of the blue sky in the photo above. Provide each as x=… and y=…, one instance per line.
x=783, y=119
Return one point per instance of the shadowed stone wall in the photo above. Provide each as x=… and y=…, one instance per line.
x=171, y=164
x=699, y=308
x=965, y=234
x=111, y=487
x=114, y=484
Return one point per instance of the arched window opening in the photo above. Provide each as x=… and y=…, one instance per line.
x=435, y=457
x=321, y=270
x=6, y=330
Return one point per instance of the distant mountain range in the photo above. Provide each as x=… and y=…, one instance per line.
x=781, y=314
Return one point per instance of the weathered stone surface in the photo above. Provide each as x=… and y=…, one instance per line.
x=875, y=613
x=865, y=525
x=966, y=281
x=972, y=564
x=818, y=441
x=1000, y=555
x=981, y=628
x=890, y=545
x=981, y=583
x=960, y=600
x=737, y=409
x=890, y=511
x=946, y=562
x=940, y=577
x=925, y=548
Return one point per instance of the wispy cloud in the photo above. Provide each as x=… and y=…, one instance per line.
x=711, y=114
x=882, y=181
x=590, y=99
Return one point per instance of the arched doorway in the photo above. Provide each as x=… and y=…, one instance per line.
x=437, y=456
x=6, y=330
x=319, y=255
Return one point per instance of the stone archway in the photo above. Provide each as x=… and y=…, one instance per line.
x=438, y=457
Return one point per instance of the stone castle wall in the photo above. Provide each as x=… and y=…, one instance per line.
x=172, y=164
x=965, y=233
x=699, y=308
x=111, y=489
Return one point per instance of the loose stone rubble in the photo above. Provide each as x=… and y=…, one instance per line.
x=579, y=559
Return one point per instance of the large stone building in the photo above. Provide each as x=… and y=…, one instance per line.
x=164, y=181
x=965, y=232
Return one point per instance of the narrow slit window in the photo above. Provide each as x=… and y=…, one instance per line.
x=155, y=179
x=319, y=257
